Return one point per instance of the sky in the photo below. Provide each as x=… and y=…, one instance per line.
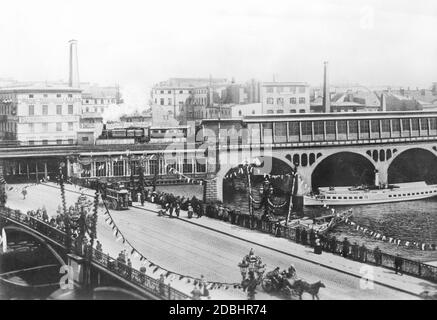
x=139, y=43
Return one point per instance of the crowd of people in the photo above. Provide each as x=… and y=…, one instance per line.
x=171, y=204
x=319, y=241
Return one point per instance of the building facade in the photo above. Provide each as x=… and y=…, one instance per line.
x=40, y=115
x=285, y=97
x=174, y=92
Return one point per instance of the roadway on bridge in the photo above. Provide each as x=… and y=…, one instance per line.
x=189, y=249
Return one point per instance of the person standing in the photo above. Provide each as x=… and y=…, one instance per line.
x=162, y=285
x=190, y=211
x=303, y=236
x=398, y=264
x=377, y=255
x=345, y=249
x=129, y=269
x=24, y=193
x=317, y=246
x=177, y=209
x=99, y=250
x=333, y=245
x=298, y=235
x=363, y=253
x=312, y=237
x=355, y=251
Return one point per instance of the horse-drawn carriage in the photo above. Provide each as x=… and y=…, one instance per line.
x=285, y=283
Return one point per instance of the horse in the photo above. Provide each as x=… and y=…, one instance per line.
x=300, y=286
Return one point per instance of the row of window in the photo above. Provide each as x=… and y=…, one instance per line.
x=292, y=89
x=45, y=110
x=389, y=195
x=280, y=101
x=47, y=142
x=95, y=109
x=8, y=126
x=120, y=168
x=343, y=129
x=99, y=101
x=45, y=127
x=269, y=111
x=412, y=194
x=169, y=102
x=169, y=91
x=45, y=95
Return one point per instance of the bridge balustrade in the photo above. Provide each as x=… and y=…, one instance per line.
x=130, y=274
x=411, y=267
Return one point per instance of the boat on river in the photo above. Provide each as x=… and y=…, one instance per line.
x=320, y=224
x=331, y=196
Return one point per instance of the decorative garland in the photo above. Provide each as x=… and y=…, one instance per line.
x=398, y=242
x=210, y=285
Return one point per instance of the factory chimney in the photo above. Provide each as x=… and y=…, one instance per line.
x=73, y=80
x=383, y=103
x=326, y=91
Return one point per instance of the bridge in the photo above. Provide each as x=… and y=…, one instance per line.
x=91, y=268
x=373, y=141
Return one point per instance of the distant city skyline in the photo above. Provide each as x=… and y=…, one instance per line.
x=137, y=44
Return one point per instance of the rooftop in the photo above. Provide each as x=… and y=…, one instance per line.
x=38, y=88
x=283, y=84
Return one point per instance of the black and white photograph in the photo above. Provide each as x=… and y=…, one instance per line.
x=237, y=153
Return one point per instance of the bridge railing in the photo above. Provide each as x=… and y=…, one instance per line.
x=131, y=274
x=411, y=267
x=139, y=278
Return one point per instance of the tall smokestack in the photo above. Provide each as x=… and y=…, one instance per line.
x=326, y=91
x=383, y=103
x=73, y=80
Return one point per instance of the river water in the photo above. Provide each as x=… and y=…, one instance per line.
x=414, y=221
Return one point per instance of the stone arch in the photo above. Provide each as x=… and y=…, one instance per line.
x=273, y=164
x=37, y=238
x=419, y=165
x=226, y=167
x=362, y=172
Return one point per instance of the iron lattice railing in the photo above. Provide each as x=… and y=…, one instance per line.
x=411, y=267
x=119, y=268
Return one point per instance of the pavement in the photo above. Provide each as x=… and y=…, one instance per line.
x=214, y=248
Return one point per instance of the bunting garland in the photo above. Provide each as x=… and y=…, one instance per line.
x=167, y=273
x=181, y=175
x=398, y=242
